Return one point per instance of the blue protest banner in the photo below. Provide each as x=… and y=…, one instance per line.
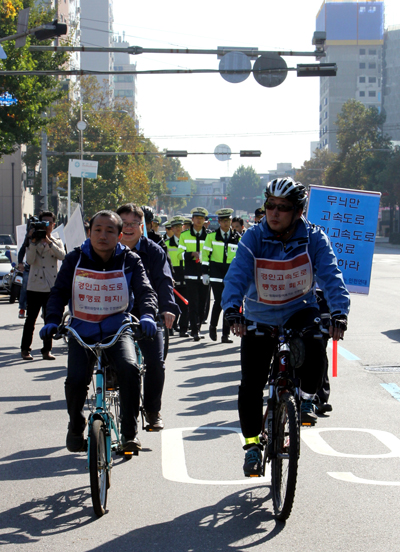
x=349, y=218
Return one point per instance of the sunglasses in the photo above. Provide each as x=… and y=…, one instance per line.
x=281, y=208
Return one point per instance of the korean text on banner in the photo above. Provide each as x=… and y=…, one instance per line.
x=350, y=219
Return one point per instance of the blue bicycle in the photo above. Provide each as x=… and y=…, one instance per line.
x=104, y=434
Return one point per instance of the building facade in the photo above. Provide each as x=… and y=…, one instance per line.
x=391, y=82
x=354, y=41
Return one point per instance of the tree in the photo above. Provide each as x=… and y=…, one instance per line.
x=359, y=137
x=20, y=122
x=121, y=178
x=312, y=172
x=244, y=189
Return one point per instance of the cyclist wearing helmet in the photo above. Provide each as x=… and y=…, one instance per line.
x=275, y=271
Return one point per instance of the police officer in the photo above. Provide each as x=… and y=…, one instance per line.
x=259, y=214
x=168, y=230
x=179, y=272
x=187, y=222
x=218, y=252
x=191, y=244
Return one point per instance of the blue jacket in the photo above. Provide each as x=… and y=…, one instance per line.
x=155, y=262
x=261, y=243
x=138, y=285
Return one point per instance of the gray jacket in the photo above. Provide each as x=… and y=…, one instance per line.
x=42, y=259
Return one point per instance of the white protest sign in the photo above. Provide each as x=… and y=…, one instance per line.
x=74, y=232
x=21, y=232
x=349, y=218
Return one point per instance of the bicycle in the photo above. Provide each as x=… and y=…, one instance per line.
x=280, y=435
x=104, y=434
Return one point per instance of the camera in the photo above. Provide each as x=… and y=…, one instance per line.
x=39, y=229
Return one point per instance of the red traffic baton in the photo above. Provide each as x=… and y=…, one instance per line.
x=181, y=297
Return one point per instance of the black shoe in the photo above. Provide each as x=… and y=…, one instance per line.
x=183, y=334
x=131, y=444
x=322, y=408
x=252, y=466
x=213, y=333
x=154, y=420
x=75, y=441
x=196, y=337
x=171, y=332
x=226, y=339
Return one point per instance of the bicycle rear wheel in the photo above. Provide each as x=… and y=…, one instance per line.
x=99, y=480
x=284, y=465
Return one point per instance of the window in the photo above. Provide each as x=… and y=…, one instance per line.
x=123, y=93
x=372, y=52
x=325, y=115
x=325, y=101
x=372, y=94
x=362, y=66
x=362, y=94
x=362, y=51
x=361, y=79
x=371, y=65
x=371, y=79
x=123, y=78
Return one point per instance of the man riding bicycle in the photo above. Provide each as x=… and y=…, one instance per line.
x=99, y=279
x=275, y=271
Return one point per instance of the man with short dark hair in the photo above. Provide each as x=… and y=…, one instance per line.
x=100, y=280
x=238, y=225
x=157, y=269
x=42, y=255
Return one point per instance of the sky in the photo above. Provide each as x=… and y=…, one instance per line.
x=196, y=113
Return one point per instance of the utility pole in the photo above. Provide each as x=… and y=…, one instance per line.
x=44, y=172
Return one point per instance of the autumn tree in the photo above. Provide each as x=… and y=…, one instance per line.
x=20, y=122
x=244, y=189
x=313, y=171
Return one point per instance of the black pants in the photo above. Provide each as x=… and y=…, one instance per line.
x=36, y=301
x=256, y=355
x=81, y=361
x=196, y=294
x=217, y=288
x=153, y=355
x=184, y=318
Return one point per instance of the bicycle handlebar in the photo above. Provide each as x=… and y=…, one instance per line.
x=277, y=331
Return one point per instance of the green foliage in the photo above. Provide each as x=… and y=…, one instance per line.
x=19, y=123
x=244, y=188
x=312, y=172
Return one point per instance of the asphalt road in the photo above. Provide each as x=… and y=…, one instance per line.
x=186, y=491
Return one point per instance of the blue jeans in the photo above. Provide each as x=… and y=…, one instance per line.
x=81, y=362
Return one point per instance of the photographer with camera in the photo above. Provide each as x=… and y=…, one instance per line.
x=41, y=255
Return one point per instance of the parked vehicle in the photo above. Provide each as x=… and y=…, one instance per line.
x=5, y=269
x=7, y=239
x=12, y=283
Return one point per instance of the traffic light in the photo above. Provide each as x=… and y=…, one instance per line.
x=250, y=153
x=52, y=30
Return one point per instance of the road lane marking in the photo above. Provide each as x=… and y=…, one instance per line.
x=312, y=437
x=349, y=477
x=393, y=389
x=344, y=352
x=174, y=462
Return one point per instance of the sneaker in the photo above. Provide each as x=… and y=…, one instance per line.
x=21, y=313
x=252, y=466
x=307, y=414
x=131, y=444
x=154, y=420
x=75, y=441
x=213, y=333
x=226, y=339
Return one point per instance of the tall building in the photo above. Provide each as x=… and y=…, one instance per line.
x=125, y=86
x=354, y=41
x=97, y=30
x=391, y=82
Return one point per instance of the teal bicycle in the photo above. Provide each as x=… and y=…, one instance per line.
x=104, y=423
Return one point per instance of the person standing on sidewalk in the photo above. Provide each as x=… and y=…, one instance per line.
x=218, y=252
x=42, y=255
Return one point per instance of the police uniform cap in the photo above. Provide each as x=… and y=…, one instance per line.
x=224, y=213
x=175, y=221
x=187, y=220
x=199, y=212
x=168, y=224
x=157, y=219
x=259, y=211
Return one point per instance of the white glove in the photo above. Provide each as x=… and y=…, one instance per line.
x=206, y=279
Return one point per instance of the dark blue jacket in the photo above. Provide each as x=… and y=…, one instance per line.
x=155, y=262
x=138, y=285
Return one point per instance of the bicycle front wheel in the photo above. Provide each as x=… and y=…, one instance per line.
x=284, y=465
x=99, y=481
